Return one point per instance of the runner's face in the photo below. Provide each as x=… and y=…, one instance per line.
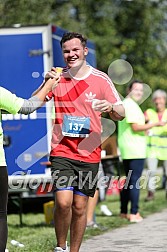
x=74, y=53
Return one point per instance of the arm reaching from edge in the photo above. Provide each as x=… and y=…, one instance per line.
x=35, y=102
x=54, y=73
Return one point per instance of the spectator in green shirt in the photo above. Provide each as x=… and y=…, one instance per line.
x=132, y=145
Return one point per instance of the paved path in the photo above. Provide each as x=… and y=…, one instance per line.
x=150, y=235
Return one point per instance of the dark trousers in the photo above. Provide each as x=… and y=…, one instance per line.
x=3, y=207
x=130, y=193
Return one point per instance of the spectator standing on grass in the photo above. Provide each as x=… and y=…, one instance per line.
x=13, y=104
x=132, y=145
x=76, y=150
x=156, y=140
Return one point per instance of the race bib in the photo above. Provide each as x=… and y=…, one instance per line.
x=76, y=126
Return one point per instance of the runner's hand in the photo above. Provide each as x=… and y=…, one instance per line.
x=52, y=83
x=53, y=73
x=103, y=106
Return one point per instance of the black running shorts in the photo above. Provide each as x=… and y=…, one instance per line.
x=73, y=174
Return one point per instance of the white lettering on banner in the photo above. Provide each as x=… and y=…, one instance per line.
x=6, y=117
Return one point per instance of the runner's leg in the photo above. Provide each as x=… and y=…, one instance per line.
x=62, y=215
x=78, y=221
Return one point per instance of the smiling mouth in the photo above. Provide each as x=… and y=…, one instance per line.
x=71, y=60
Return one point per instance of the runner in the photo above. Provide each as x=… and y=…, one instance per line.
x=75, y=153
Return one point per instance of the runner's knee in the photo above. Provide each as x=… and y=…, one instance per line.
x=64, y=206
x=79, y=209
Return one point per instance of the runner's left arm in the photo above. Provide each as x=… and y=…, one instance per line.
x=111, y=102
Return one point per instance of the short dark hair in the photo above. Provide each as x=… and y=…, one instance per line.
x=70, y=35
x=133, y=82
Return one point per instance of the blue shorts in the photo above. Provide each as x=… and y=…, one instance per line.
x=70, y=188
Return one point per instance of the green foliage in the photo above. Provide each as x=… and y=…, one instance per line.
x=25, y=12
x=131, y=30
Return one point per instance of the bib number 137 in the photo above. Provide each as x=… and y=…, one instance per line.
x=76, y=126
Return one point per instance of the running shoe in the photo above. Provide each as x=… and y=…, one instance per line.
x=59, y=249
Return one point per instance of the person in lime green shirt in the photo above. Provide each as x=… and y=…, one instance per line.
x=156, y=140
x=132, y=145
x=13, y=104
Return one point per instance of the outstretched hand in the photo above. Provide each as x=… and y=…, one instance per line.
x=52, y=83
